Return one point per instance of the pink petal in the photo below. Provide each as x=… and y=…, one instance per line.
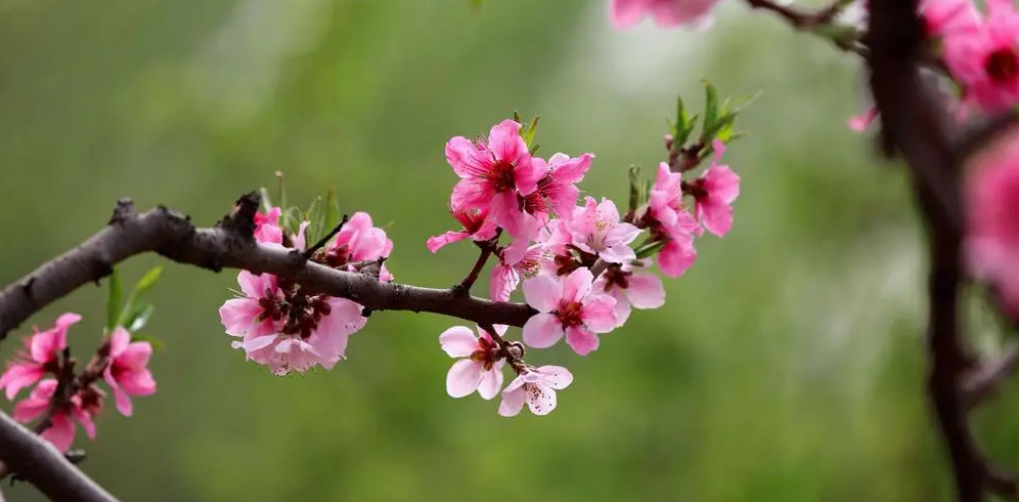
x=722, y=184
x=503, y=282
x=570, y=170
x=860, y=123
x=599, y=313
x=542, y=330
x=556, y=377
x=513, y=399
x=581, y=340
x=19, y=376
x=491, y=382
x=507, y=214
x=119, y=341
x=540, y=399
x=716, y=217
x=136, y=355
x=138, y=383
x=298, y=240
x=620, y=253
x=61, y=433
x=458, y=341
x=255, y=286
x=238, y=315
x=626, y=13
x=463, y=378
x=645, y=291
x=439, y=241
x=471, y=193
x=578, y=284
x=462, y=154
x=622, y=306
x=584, y=221
x=675, y=258
x=122, y=400
x=527, y=173
x=505, y=142
x=86, y=422
x=543, y=292
x=27, y=410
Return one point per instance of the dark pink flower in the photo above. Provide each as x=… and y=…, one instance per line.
x=476, y=226
x=61, y=432
x=512, y=266
x=267, y=227
x=42, y=356
x=127, y=373
x=668, y=219
x=992, y=213
x=666, y=13
x=949, y=17
x=714, y=193
x=985, y=61
x=567, y=305
x=557, y=191
x=494, y=175
x=357, y=242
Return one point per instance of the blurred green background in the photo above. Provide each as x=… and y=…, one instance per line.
x=786, y=365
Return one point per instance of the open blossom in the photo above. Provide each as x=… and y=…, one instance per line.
x=992, y=212
x=567, y=306
x=557, y=191
x=666, y=13
x=949, y=17
x=536, y=387
x=61, y=432
x=41, y=356
x=476, y=226
x=481, y=366
x=512, y=266
x=670, y=221
x=714, y=193
x=985, y=61
x=597, y=230
x=267, y=227
x=494, y=175
x=127, y=373
x=640, y=290
x=289, y=334
x=357, y=242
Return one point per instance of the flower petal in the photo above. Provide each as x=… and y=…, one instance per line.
x=645, y=291
x=458, y=341
x=463, y=378
x=599, y=313
x=439, y=241
x=556, y=377
x=578, y=284
x=543, y=292
x=542, y=331
x=513, y=400
x=491, y=382
x=541, y=399
x=581, y=340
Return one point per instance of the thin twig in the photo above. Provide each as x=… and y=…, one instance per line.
x=487, y=248
x=325, y=240
x=986, y=381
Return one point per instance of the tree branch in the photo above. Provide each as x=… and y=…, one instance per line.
x=229, y=244
x=986, y=381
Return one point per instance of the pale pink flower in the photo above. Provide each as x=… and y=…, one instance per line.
x=267, y=227
x=948, y=17
x=557, y=191
x=476, y=224
x=61, y=432
x=567, y=305
x=695, y=14
x=359, y=241
x=536, y=387
x=992, y=212
x=985, y=61
x=512, y=266
x=714, y=193
x=127, y=373
x=597, y=230
x=481, y=366
x=631, y=289
x=42, y=356
x=494, y=175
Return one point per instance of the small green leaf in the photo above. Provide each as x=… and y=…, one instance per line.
x=113, y=300
x=534, y=149
x=156, y=343
x=149, y=279
x=635, y=199
x=315, y=216
x=710, y=107
x=141, y=317
x=291, y=220
x=266, y=200
x=126, y=315
x=684, y=125
x=530, y=131
x=649, y=249
x=723, y=123
x=517, y=118
x=332, y=212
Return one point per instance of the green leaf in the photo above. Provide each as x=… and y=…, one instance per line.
x=517, y=118
x=156, y=343
x=649, y=249
x=635, y=199
x=710, y=107
x=266, y=200
x=113, y=300
x=534, y=148
x=332, y=211
x=140, y=317
x=130, y=310
x=530, y=131
x=315, y=216
x=721, y=127
x=685, y=124
x=291, y=220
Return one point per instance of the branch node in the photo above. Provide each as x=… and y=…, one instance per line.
x=241, y=220
x=123, y=212
x=325, y=240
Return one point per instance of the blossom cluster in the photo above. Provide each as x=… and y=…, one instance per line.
x=579, y=265
x=45, y=363
x=288, y=329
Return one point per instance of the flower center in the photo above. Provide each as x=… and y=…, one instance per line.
x=615, y=276
x=487, y=353
x=570, y=314
x=501, y=176
x=1002, y=65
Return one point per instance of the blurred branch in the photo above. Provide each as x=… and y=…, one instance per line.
x=229, y=244
x=38, y=462
x=986, y=381
x=819, y=22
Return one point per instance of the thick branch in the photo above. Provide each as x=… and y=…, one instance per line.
x=229, y=244
x=38, y=462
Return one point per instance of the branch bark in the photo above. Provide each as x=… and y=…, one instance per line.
x=228, y=245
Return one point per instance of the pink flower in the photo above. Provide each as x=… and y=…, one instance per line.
x=992, y=212
x=637, y=289
x=860, y=123
x=512, y=266
x=476, y=226
x=44, y=349
x=359, y=241
x=948, y=17
x=267, y=227
x=669, y=221
x=985, y=61
x=597, y=230
x=61, y=432
x=247, y=316
x=557, y=192
x=494, y=175
x=536, y=387
x=666, y=13
x=714, y=193
x=567, y=305
x=127, y=373
x=481, y=368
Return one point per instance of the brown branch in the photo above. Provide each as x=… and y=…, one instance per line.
x=308, y=253
x=987, y=379
x=229, y=244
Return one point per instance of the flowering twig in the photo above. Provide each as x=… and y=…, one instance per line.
x=229, y=244
x=487, y=248
x=325, y=240
x=819, y=22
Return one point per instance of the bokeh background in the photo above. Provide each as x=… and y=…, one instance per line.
x=786, y=365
